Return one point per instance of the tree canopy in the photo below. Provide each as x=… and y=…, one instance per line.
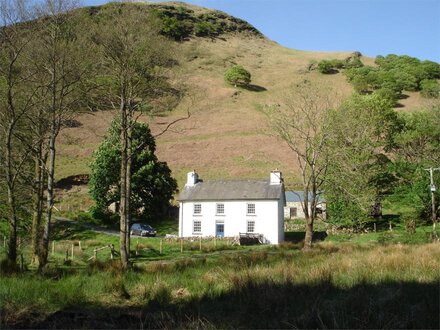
x=237, y=75
x=152, y=184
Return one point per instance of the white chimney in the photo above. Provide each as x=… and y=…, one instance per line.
x=276, y=177
x=192, y=178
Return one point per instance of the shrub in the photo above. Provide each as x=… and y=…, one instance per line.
x=325, y=67
x=203, y=29
x=237, y=75
x=174, y=28
x=430, y=88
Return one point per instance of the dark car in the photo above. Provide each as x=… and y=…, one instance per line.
x=142, y=230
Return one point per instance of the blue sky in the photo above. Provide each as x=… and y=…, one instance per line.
x=373, y=27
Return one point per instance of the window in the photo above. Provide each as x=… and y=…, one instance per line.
x=251, y=208
x=197, y=226
x=293, y=212
x=250, y=226
x=220, y=209
x=197, y=208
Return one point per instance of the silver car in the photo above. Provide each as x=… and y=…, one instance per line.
x=141, y=229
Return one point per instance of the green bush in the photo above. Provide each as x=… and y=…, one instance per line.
x=430, y=88
x=326, y=67
x=174, y=28
x=237, y=75
x=205, y=29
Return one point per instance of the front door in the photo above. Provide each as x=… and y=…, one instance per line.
x=220, y=229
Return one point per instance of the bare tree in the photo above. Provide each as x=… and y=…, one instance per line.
x=134, y=56
x=61, y=71
x=300, y=122
x=16, y=101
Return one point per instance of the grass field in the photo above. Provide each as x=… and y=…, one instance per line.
x=363, y=281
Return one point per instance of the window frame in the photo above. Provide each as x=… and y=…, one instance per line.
x=254, y=207
x=217, y=209
x=252, y=222
x=197, y=206
x=194, y=227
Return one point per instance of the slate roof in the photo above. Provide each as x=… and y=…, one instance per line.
x=298, y=196
x=232, y=190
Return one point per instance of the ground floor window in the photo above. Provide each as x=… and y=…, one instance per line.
x=293, y=212
x=197, y=226
x=250, y=226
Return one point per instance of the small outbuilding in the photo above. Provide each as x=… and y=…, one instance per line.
x=234, y=207
x=294, y=205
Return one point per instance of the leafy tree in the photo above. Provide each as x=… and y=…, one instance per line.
x=417, y=147
x=152, y=184
x=360, y=133
x=237, y=75
x=430, y=88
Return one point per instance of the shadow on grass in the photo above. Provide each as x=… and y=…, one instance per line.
x=268, y=305
x=298, y=236
x=254, y=88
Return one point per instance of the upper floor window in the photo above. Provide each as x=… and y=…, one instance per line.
x=197, y=208
x=220, y=209
x=251, y=208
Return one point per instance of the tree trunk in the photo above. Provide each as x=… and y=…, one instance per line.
x=12, y=244
x=44, y=248
x=123, y=202
x=128, y=182
x=309, y=233
x=37, y=203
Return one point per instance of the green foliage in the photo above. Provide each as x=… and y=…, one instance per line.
x=205, y=29
x=152, y=184
x=326, y=67
x=430, y=88
x=179, y=23
x=360, y=131
x=174, y=28
x=237, y=75
x=417, y=147
x=396, y=74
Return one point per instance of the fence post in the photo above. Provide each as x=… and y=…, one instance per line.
x=112, y=251
x=181, y=245
x=72, y=250
x=200, y=243
x=374, y=227
x=160, y=247
x=67, y=255
x=79, y=245
x=95, y=254
x=391, y=226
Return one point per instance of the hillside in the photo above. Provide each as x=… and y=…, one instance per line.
x=226, y=136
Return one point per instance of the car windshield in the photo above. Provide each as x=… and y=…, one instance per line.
x=147, y=227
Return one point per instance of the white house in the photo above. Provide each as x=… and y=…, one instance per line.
x=227, y=208
x=294, y=209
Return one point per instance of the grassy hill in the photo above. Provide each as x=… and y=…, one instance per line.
x=226, y=136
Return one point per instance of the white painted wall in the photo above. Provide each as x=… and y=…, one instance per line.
x=269, y=219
